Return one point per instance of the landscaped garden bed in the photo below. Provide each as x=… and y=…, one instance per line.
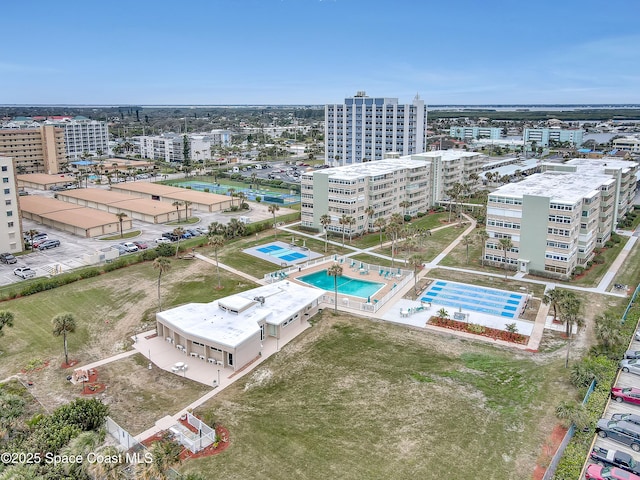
x=474, y=328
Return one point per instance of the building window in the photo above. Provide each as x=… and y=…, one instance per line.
x=10, y=224
x=4, y=168
x=7, y=191
x=9, y=213
x=5, y=179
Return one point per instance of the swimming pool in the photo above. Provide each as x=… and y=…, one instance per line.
x=282, y=253
x=346, y=285
x=478, y=299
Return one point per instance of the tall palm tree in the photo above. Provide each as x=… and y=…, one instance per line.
x=351, y=221
x=162, y=264
x=483, y=236
x=369, y=212
x=506, y=244
x=177, y=204
x=231, y=192
x=393, y=229
x=254, y=178
x=404, y=205
x=325, y=221
x=467, y=240
x=241, y=198
x=187, y=204
x=217, y=242
x=273, y=208
x=6, y=319
x=63, y=324
x=32, y=233
x=380, y=223
x=415, y=261
x=554, y=298
x=178, y=231
x=335, y=271
x=121, y=216
x=343, y=220
x=570, y=315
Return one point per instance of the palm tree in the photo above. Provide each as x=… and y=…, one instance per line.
x=404, y=205
x=571, y=412
x=607, y=331
x=106, y=470
x=6, y=319
x=162, y=264
x=217, y=242
x=325, y=221
x=235, y=228
x=554, y=298
x=254, y=177
x=177, y=204
x=351, y=221
x=32, y=233
x=467, y=240
x=272, y=210
x=335, y=271
x=64, y=323
x=369, y=211
x=178, y=232
x=343, y=220
x=393, y=229
x=231, y=191
x=570, y=315
x=443, y=314
x=380, y=223
x=483, y=236
x=241, y=198
x=187, y=204
x=121, y=216
x=416, y=261
x=506, y=245
x=216, y=228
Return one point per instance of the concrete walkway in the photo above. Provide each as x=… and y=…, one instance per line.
x=104, y=361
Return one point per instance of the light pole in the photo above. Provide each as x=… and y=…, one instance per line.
x=218, y=377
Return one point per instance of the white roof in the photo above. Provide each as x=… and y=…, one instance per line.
x=558, y=186
x=370, y=169
x=209, y=322
x=599, y=165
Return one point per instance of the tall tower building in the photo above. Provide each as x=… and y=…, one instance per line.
x=363, y=129
x=10, y=224
x=35, y=150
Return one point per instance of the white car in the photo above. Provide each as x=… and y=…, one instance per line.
x=24, y=272
x=130, y=246
x=160, y=240
x=631, y=366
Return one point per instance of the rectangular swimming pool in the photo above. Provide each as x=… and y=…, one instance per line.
x=346, y=285
x=478, y=299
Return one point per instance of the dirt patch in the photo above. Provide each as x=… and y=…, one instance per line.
x=548, y=451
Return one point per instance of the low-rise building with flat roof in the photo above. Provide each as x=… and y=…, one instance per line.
x=43, y=181
x=143, y=209
x=230, y=331
x=82, y=221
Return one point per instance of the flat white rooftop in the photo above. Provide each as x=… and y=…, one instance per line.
x=558, y=186
x=599, y=165
x=370, y=169
x=209, y=322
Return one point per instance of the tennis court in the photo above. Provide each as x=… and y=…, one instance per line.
x=282, y=254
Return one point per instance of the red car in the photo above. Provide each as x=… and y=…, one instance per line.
x=597, y=472
x=141, y=245
x=629, y=395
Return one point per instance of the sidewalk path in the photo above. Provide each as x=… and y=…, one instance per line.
x=104, y=361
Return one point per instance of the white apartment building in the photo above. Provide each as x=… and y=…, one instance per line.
x=83, y=136
x=363, y=129
x=628, y=144
x=622, y=171
x=201, y=144
x=167, y=147
x=10, y=224
x=554, y=221
x=385, y=185
x=468, y=133
x=543, y=136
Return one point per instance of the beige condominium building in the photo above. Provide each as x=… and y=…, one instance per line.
x=397, y=184
x=554, y=221
x=35, y=150
x=10, y=225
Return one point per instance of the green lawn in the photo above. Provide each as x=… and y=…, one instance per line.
x=361, y=400
x=429, y=247
x=596, y=272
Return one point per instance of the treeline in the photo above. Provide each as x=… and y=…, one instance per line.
x=572, y=115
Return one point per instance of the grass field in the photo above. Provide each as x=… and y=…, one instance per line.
x=353, y=399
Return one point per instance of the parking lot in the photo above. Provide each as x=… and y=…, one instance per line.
x=72, y=250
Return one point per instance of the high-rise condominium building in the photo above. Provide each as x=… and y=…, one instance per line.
x=10, y=224
x=363, y=129
x=34, y=150
x=84, y=137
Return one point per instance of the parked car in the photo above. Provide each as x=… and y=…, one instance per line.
x=129, y=247
x=202, y=230
x=47, y=244
x=40, y=241
x=621, y=432
x=161, y=240
x=626, y=417
x=171, y=236
x=141, y=245
x=632, y=354
x=614, y=458
x=24, y=272
x=630, y=395
x=39, y=236
x=632, y=366
x=120, y=248
x=597, y=472
x=194, y=232
x=7, y=258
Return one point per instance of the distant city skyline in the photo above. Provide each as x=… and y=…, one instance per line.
x=313, y=52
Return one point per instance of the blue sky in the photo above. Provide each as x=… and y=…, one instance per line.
x=319, y=51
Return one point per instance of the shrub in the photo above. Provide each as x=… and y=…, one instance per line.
x=165, y=250
x=420, y=214
x=206, y=190
x=116, y=265
x=89, y=272
x=407, y=218
x=149, y=254
x=598, y=259
x=609, y=243
x=578, y=270
x=258, y=198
